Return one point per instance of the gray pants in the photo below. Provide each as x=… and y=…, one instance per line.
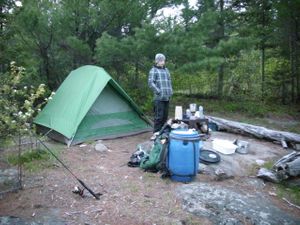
x=161, y=110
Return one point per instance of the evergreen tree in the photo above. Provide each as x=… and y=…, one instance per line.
x=258, y=17
x=288, y=36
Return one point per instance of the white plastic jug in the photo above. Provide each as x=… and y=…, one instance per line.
x=178, y=113
x=193, y=107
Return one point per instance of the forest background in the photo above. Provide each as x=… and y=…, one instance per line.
x=237, y=56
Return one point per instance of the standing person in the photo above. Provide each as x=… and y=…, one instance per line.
x=159, y=81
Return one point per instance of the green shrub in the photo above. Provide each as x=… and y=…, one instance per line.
x=292, y=193
x=19, y=103
x=32, y=160
x=28, y=156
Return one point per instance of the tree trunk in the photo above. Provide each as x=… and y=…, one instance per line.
x=297, y=56
x=292, y=65
x=221, y=81
x=263, y=48
x=221, y=68
x=2, y=20
x=297, y=72
x=136, y=75
x=46, y=67
x=256, y=131
x=293, y=32
x=283, y=91
x=298, y=80
x=20, y=170
x=262, y=72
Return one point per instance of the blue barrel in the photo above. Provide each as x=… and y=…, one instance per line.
x=183, y=155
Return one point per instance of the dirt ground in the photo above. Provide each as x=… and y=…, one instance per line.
x=130, y=195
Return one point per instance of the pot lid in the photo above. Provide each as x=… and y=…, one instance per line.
x=208, y=156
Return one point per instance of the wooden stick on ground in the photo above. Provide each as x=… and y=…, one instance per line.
x=291, y=204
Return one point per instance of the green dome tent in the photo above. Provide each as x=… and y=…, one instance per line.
x=90, y=105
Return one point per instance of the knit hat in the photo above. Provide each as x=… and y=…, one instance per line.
x=159, y=57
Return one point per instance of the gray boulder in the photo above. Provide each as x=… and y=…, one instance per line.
x=224, y=206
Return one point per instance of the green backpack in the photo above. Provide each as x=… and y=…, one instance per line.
x=156, y=159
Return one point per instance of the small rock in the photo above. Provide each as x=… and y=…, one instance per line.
x=260, y=162
x=8, y=179
x=101, y=147
x=101, y=167
x=204, y=169
x=267, y=175
x=296, y=147
x=55, y=164
x=222, y=175
x=272, y=193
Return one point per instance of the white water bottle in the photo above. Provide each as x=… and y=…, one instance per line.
x=201, y=114
x=188, y=113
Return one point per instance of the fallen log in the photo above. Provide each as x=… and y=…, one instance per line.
x=256, y=131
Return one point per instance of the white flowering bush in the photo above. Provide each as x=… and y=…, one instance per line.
x=19, y=103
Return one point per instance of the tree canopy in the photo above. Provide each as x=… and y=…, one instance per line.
x=220, y=48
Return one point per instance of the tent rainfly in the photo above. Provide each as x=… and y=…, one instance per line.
x=90, y=105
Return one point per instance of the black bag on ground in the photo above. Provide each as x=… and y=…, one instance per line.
x=136, y=157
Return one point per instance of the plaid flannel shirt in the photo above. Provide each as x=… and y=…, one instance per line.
x=159, y=81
